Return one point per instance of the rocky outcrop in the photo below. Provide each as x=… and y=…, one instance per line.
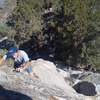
x=20, y=86
x=84, y=82
x=51, y=84
x=47, y=72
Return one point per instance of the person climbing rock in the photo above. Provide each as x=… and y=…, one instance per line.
x=20, y=58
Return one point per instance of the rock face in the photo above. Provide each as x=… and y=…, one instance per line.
x=93, y=78
x=20, y=86
x=47, y=72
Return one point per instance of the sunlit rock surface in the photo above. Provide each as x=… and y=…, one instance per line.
x=49, y=85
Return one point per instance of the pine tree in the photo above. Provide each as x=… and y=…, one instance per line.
x=76, y=28
x=27, y=19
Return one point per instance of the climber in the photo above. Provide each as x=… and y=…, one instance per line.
x=20, y=58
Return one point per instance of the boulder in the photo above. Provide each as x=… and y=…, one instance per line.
x=85, y=88
x=47, y=72
x=20, y=86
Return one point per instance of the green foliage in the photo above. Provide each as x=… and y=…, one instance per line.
x=7, y=31
x=26, y=19
x=76, y=27
x=73, y=32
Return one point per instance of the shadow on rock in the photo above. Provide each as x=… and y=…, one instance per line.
x=85, y=88
x=11, y=95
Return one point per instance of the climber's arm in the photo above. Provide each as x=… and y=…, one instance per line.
x=1, y=60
